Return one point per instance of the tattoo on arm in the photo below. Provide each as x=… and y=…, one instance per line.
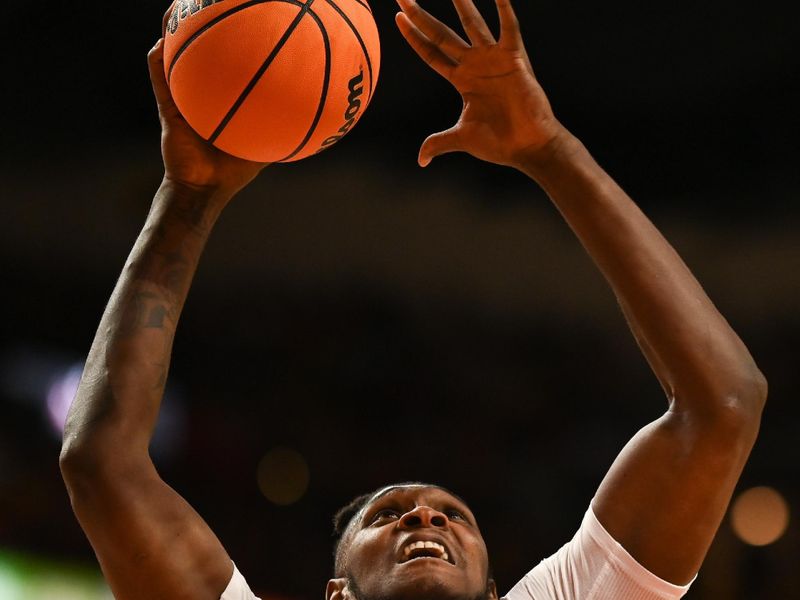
x=127, y=368
x=156, y=317
x=144, y=310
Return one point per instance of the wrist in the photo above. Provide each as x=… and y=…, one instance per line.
x=543, y=161
x=213, y=198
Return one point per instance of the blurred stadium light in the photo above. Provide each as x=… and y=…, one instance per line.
x=28, y=578
x=49, y=380
x=760, y=516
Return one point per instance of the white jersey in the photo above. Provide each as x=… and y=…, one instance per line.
x=591, y=566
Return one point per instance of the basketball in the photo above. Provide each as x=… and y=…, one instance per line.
x=271, y=80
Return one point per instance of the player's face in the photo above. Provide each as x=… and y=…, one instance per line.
x=414, y=542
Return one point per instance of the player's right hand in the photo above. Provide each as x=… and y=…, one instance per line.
x=189, y=160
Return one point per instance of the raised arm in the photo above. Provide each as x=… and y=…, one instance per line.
x=667, y=492
x=149, y=541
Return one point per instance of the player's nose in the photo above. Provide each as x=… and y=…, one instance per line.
x=424, y=516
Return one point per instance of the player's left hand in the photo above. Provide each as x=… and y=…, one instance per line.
x=506, y=115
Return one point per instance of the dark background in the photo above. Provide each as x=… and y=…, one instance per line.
x=392, y=323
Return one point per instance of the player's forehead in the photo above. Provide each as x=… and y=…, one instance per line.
x=414, y=493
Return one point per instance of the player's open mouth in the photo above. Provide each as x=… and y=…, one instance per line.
x=421, y=549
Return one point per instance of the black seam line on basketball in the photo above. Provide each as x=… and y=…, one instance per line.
x=365, y=5
x=325, y=83
x=243, y=96
x=360, y=41
x=213, y=22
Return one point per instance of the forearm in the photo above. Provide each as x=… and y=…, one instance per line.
x=120, y=392
x=696, y=355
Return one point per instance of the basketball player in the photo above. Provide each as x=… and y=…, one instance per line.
x=651, y=521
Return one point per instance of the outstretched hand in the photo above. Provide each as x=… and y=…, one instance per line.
x=506, y=114
x=189, y=159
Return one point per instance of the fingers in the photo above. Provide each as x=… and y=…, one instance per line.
x=166, y=18
x=155, y=62
x=438, y=144
x=510, y=35
x=439, y=34
x=474, y=26
x=427, y=50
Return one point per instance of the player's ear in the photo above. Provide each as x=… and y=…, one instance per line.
x=337, y=590
x=491, y=590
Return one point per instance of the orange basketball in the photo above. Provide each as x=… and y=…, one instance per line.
x=271, y=80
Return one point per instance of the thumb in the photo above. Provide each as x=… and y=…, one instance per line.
x=439, y=143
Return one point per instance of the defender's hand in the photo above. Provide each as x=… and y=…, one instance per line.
x=188, y=159
x=506, y=114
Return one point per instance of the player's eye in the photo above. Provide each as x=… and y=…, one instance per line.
x=455, y=515
x=385, y=514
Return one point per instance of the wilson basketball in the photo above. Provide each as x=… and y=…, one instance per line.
x=271, y=80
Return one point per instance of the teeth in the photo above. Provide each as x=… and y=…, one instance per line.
x=428, y=546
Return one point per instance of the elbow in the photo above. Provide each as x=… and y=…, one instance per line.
x=91, y=469
x=750, y=395
x=738, y=409
x=738, y=422
x=760, y=390
x=74, y=473
x=102, y=453
x=75, y=462
x=733, y=407
x=86, y=457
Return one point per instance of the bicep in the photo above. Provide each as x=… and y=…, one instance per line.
x=149, y=541
x=666, y=493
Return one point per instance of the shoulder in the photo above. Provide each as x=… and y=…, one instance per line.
x=237, y=588
x=592, y=566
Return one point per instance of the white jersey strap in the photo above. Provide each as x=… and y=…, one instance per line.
x=237, y=588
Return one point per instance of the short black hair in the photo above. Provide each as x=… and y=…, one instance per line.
x=345, y=515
